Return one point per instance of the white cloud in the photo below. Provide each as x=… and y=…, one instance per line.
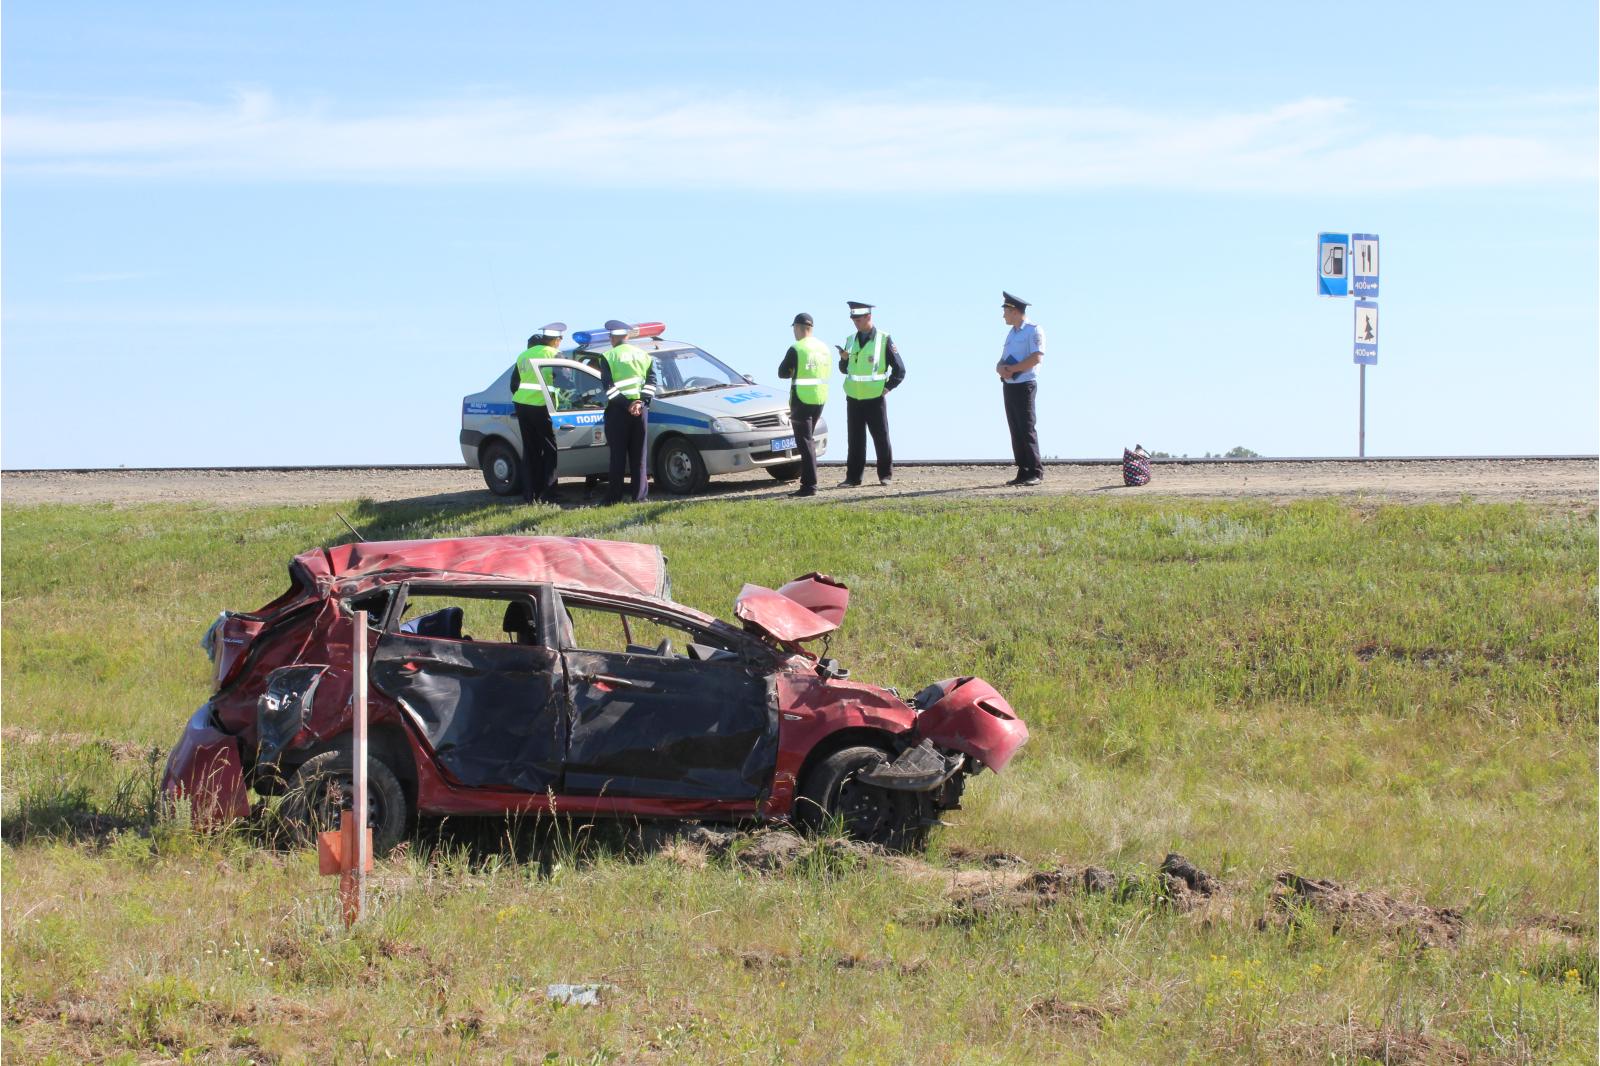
x=875, y=144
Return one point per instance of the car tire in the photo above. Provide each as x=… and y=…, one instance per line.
x=831, y=796
x=679, y=468
x=311, y=803
x=502, y=468
x=785, y=471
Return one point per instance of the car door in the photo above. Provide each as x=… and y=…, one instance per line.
x=685, y=721
x=489, y=700
x=577, y=411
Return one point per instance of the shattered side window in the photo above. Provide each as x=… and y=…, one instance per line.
x=594, y=628
x=485, y=619
x=375, y=603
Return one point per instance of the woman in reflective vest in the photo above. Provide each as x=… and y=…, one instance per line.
x=806, y=362
x=533, y=415
x=628, y=374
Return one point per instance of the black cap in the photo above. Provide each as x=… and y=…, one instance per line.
x=858, y=308
x=616, y=325
x=803, y=319
x=1011, y=301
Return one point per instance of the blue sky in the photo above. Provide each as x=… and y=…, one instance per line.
x=239, y=235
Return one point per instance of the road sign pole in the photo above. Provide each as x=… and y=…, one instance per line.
x=1361, y=431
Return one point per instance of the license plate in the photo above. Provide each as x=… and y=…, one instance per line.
x=782, y=444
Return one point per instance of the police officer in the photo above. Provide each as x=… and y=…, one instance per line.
x=871, y=365
x=628, y=374
x=806, y=362
x=1018, y=370
x=533, y=416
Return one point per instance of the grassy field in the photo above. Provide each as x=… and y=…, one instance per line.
x=1399, y=698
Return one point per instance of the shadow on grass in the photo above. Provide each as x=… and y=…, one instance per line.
x=83, y=793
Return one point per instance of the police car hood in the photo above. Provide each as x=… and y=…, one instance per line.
x=804, y=609
x=735, y=401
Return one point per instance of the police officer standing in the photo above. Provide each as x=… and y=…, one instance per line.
x=871, y=365
x=533, y=416
x=628, y=374
x=806, y=362
x=1018, y=370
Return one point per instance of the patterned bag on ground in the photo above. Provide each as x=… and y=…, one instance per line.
x=1135, y=466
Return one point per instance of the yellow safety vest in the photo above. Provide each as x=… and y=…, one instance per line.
x=867, y=369
x=629, y=366
x=811, y=371
x=530, y=386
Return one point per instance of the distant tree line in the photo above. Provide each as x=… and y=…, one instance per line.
x=1240, y=452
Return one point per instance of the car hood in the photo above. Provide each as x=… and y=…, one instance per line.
x=804, y=609
x=735, y=401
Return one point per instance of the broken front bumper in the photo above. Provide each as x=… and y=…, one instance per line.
x=205, y=770
x=922, y=768
x=967, y=715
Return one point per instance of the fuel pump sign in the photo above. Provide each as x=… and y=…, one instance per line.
x=1333, y=264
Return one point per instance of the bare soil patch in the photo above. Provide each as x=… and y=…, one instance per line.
x=1429, y=926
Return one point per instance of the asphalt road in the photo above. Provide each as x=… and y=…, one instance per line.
x=1565, y=483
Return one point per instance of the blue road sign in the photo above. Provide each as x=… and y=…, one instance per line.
x=1367, y=332
x=1364, y=265
x=1333, y=264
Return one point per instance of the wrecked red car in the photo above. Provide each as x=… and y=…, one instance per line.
x=528, y=674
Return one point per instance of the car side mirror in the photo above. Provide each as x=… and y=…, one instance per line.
x=748, y=380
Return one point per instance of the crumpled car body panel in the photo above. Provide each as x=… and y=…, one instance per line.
x=966, y=714
x=204, y=769
x=723, y=729
x=804, y=609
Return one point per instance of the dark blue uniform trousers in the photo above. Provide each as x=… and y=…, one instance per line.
x=538, y=453
x=860, y=418
x=1024, y=434
x=627, y=435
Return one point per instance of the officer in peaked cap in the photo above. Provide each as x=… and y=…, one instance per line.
x=806, y=362
x=872, y=369
x=1020, y=357
x=628, y=374
x=528, y=395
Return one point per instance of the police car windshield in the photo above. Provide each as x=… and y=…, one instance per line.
x=685, y=368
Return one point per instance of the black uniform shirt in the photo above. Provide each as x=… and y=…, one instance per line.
x=897, y=369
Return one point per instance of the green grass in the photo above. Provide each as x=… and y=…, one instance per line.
x=1402, y=698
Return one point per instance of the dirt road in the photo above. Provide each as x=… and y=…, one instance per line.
x=1551, y=482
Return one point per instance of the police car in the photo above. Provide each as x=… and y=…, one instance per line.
x=707, y=418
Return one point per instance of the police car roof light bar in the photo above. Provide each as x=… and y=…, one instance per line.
x=584, y=337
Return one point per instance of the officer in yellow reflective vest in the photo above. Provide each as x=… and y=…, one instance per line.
x=628, y=374
x=872, y=368
x=533, y=415
x=806, y=362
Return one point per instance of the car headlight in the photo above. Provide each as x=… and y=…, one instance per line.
x=729, y=425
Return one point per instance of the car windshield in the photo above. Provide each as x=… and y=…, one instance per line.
x=688, y=369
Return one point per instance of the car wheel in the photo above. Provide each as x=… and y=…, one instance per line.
x=316, y=795
x=679, y=468
x=785, y=471
x=502, y=468
x=831, y=794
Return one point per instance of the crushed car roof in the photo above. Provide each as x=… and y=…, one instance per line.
x=601, y=565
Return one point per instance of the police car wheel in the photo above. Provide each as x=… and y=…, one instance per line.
x=679, y=468
x=502, y=468
x=785, y=471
